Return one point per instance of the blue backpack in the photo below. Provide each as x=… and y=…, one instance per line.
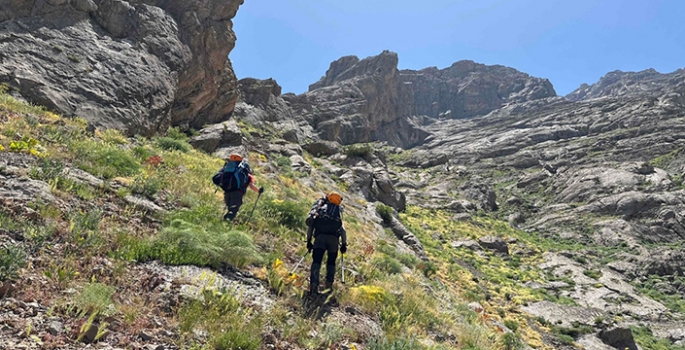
x=234, y=176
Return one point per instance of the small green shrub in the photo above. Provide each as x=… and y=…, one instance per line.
x=176, y=134
x=229, y=325
x=565, y=339
x=512, y=341
x=105, y=160
x=12, y=258
x=284, y=163
x=172, y=144
x=396, y=344
x=511, y=324
x=596, y=274
x=95, y=299
x=358, y=150
x=387, y=263
x=183, y=243
x=142, y=153
x=147, y=186
x=291, y=214
x=385, y=212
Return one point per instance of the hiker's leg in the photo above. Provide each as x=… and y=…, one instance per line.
x=233, y=202
x=332, y=248
x=317, y=256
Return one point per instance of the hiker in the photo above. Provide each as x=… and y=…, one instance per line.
x=234, y=178
x=325, y=225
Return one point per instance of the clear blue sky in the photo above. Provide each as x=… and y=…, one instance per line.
x=567, y=41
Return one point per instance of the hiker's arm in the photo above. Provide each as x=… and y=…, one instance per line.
x=254, y=187
x=310, y=233
x=343, y=236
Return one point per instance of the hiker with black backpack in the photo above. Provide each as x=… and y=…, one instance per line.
x=325, y=225
x=234, y=178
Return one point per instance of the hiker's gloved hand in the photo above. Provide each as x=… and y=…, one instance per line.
x=310, y=246
x=261, y=190
x=343, y=248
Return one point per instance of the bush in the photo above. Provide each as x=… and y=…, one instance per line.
x=288, y=213
x=95, y=299
x=172, y=144
x=147, y=186
x=511, y=324
x=385, y=212
x=105, y=160
x=512, y=341
x=183, y=243
x=112, y=136
x=358, y=150
x=176, y=134
x=12, y=258
x=228, y=324
x=387, y=263
x=395, y=344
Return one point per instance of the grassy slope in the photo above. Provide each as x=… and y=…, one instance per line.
x=411, y=300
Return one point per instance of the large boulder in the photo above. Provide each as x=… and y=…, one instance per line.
x=218, y=135
x=137, y=65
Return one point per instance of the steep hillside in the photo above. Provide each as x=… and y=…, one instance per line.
x=601, y=179
x=119, y=241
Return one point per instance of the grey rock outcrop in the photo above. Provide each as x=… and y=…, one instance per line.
x=618, y=83
x=137, y=65
x=361, y=101
x=467, y=89
x=226, y=134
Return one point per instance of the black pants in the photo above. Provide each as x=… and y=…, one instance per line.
x=233, y=200
x=323, y=243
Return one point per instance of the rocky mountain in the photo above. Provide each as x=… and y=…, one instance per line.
x=137, y=65
x=484, y=211
x=467, y=89
x=619, y=83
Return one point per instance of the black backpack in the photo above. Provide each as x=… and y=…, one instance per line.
x=325, y=217
x=233, y=176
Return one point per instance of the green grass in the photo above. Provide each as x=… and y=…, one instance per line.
x=646, y=339
x=105, y=160
x=12, y=258
x=185, y=243
x=229, y=325
x=171, y=144
x=95, y=299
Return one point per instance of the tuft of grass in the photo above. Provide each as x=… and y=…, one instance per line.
x=105, y=160
x=646, y=339
x=95, y=299
x=363, y=150
x=288, y=213
x=112, y=136
x=171, y=144
x=385, y=212
x=228, y=324
x=12, y=258
x=512, y=341
x=184, y=243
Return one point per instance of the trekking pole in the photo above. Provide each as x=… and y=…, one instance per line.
x=255, y=207
x=342, y=266
x=299, y=263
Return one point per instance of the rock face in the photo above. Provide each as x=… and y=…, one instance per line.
x=467, y=89
x=618, y=83
x=370, y=99
x=360, y=101
x=138, y=65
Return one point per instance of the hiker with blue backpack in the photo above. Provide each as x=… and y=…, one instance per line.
x=235, y=177
x=326, y=227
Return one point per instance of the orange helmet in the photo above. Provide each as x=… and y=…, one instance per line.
x=335, y=198
x=235, y=158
